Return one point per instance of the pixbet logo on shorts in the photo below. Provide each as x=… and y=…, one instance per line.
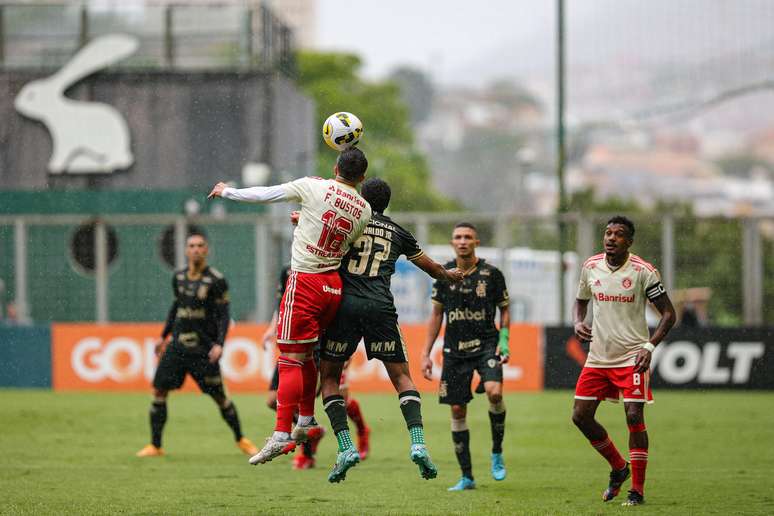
x=125, y=359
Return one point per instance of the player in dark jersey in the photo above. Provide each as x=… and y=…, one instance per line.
x=197, y=323
x=471, y=342
x=367, y=312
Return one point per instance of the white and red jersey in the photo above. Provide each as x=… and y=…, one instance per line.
x=618, y=300
x=333, y=215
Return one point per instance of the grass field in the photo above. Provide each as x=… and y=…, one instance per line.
x=711, y=453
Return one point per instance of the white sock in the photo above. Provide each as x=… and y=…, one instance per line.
x=304, y=420
x=280, y=436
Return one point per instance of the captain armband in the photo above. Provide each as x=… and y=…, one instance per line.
x=655, y=291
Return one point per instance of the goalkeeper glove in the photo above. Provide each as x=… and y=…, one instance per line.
x=502, y=345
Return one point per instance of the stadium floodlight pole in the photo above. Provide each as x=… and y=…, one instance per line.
x=560, y=152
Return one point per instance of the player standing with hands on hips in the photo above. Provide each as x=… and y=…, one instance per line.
x=618, y=365
x=333, y=215
x=471, y=342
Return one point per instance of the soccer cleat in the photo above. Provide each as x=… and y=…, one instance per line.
x=304, y=433
x=634, y=498
x=420, y=456
x=498, y=467
x=301, y=461
x=362, y=442
x=247, y=446
x=344, y=460
x=273, y=448
x=617, y=478
x=150, y=451
x=463, y=484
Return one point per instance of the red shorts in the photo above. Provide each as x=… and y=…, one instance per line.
x=308, y=306
x=613, y=384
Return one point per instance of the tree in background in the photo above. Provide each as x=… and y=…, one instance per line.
x=333, y=81
x=416, y=90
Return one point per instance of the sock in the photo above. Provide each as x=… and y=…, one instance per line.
x=289, y=392
x=334, y=407
x=231, y=418
x=306, y=421
x=461, y=439
x=309, y=374
x=497, y=424
x=639, y=458
x=607, y=449
x=411, y=407
x=306, y=448
x=158, y=416
x=353, y=411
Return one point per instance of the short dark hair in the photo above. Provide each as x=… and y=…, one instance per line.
x=196, y=234
x=466, y=225
x=352, y=164
x=620, y=219
x=377, y=192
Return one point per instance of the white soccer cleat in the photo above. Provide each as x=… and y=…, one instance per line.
x=273, y=448
x=304, y=433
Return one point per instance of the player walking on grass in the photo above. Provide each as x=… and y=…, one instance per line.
x=618, y=365
x=368, y=312
x=197, y=322
x=333, y=215
x=471, y=342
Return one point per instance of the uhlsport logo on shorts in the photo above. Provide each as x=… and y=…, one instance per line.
x=87, y=137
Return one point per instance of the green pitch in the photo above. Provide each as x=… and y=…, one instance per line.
x=711, y=453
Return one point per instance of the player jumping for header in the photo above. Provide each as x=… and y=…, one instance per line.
x=333, y=215
x=618, y=364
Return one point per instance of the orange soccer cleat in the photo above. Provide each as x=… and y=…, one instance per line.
x=247, y=446
x=150, y=451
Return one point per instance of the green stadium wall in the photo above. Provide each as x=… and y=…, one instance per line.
x=26, y=354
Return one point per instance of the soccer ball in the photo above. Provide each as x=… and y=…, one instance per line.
x=342, y=131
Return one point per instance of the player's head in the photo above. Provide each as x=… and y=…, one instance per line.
x=351, y=165
x=619, y=235
x=465, y=240
x=196, y=249
x=377, y=192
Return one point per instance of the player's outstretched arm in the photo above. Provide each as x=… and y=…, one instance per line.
x=664, y=306
x=436, y=271
x=260, y=194
x=433, y=329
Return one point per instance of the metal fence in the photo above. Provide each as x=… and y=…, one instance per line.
x=207, y=35
x=118, y=267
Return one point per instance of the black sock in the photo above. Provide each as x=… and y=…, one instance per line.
x=411, y=407
x=232, y=419
x=497, y=423
x=462, y=450
x=158, y=416
x=336, y=408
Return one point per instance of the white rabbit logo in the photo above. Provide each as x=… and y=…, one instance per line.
x=87, y=137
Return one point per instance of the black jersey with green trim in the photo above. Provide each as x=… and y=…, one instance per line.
x=370, y=263
x=199, y=316
x=470, y=309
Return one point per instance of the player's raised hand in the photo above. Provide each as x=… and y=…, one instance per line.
x=642, y=362
x=582, y=331
x=294, y=216
x=217, y=190
x=427, y=367
x=454, y=275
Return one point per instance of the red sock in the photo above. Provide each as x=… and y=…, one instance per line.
x=607, y=449
x=309, y=372
x=353, y=411
x=289, y=392
x=639, y=458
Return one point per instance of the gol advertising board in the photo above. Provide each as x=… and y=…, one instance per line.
x=120, y=357
x=727, y=358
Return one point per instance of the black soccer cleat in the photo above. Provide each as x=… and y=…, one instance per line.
x=617, y=478
x=634, y=498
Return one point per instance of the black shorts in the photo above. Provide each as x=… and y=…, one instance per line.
x=174, y=364
x=457, y=373
x=376, y=322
